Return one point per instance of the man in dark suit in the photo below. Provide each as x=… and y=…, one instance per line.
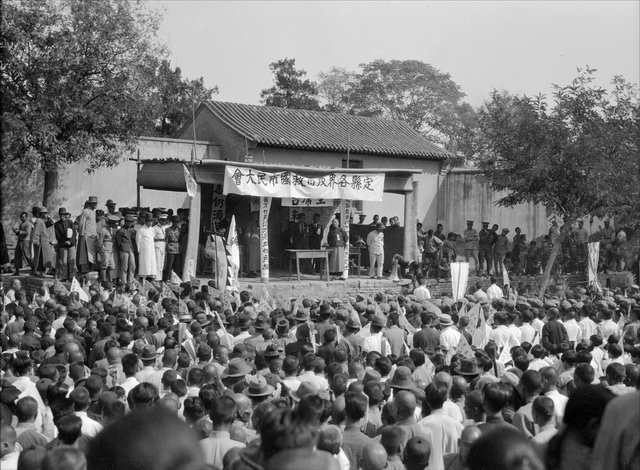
x=316, y=230
x=300, y=240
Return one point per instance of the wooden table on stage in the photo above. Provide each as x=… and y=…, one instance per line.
x=308, y=254
x=355, y=251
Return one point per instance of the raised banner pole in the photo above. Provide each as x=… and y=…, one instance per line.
x=265, y=205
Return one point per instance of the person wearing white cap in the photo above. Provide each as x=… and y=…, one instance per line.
x=160, y=242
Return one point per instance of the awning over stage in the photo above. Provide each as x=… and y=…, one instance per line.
x=168, y=176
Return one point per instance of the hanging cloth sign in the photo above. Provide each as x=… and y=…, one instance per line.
x=286, y=184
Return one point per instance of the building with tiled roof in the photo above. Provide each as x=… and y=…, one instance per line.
x=322, y=131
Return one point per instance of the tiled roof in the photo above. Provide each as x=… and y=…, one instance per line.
x=325, y=131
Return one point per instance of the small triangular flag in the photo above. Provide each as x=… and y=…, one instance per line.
x=75, y=287
x=175, y=279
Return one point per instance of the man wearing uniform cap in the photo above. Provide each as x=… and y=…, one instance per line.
x=159, y=241
x=105, y=247
x=172, y=250
x=111, y=207
x=66, y=237
x=43, y=253
x=124, y=245
x=485, y=253
x=471, y=240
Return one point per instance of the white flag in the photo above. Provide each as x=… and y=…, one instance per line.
x=459, y=277
x=233, y=253
x=594, y=257
x=175, y=279
x=192, y=186
x=75, y=287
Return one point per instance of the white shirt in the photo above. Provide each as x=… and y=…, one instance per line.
x=502, y=336
x=559, y=403
x=494, y=292
x=374, y=342
x=588, y=328
x=312, y=378
x=29, y=389
x=527, y=333
x=573, y=330
x=608, y=328
x=375, y=242
x=480, y=295
x=216, y=446
x=291, y=382
x=129, y=384
x=449, y=339
x=537, y=364
x=421, y=293
x=445, y=430
x=516, y=333
x=90, y=427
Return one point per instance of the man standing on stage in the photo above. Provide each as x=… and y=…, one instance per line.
x=87, y=236
x=66, y=238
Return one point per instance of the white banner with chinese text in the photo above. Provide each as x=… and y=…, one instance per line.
x=286, y=184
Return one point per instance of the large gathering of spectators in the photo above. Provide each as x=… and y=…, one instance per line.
x=153, y=378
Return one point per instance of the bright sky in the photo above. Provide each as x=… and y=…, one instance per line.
x=522, y=47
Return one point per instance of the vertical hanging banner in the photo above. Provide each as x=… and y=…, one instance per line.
x=459, y=278
x=233, y=255
x=218, y=205
x=594, y=257
x=346, y=216
x=265, y=205
x=192, y=186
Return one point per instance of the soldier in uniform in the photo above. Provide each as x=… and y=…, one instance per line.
x=471, y=240
x=106, y=234
x=581, y=239
x=486, y=250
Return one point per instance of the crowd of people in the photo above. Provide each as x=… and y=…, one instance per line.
x=185, y=378
x=120, y=243
x=492, y=251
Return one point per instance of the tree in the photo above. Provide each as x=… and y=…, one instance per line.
x=578, y=158
x=411, y=91
x=289, y=89
x=335, y=88
x=176, y=97
x=77, y=81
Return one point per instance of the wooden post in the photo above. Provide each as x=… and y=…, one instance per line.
x=191, y=256
x=409, y=251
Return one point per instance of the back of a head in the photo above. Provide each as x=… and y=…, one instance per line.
x=142, y=396
x=503, y=449
x=405, y=404
x=392, y=438
x=153, y=440
x=330, y=439
x=32, y=458
x=69, y=429
x=356, y=405
x=26, y=409
x=284, y=429
x=374, y=457
x=496, y=396
x=64, y=458
x=223, y=411
x=435, y=396
x=417, y=452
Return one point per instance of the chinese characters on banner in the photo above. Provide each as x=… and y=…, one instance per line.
x=265, y=205
x=307, y=202
x=346, y=216
x=286, y=184
x=218, y=205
